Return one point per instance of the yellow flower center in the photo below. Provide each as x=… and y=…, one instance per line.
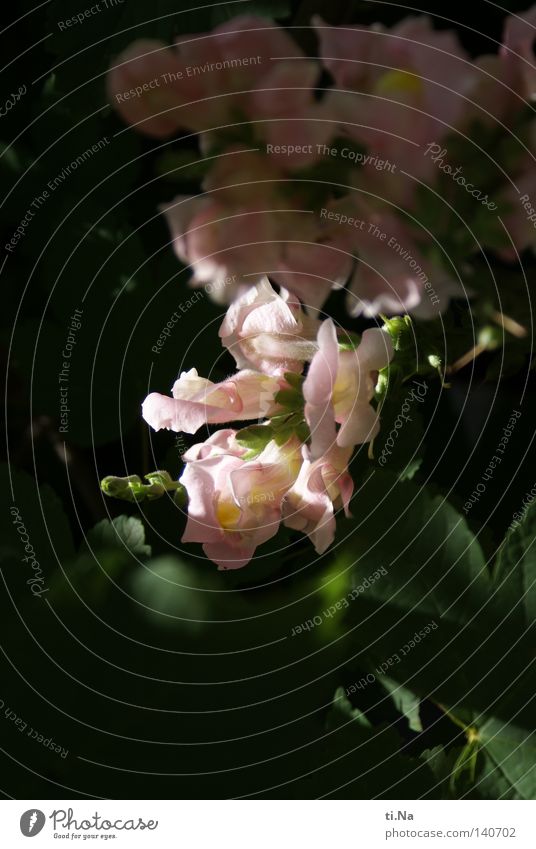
x=399, y=82
x=227, y=514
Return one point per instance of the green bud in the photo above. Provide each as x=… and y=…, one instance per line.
x=490, y=337
x=180, y=496
x=382, y=382
x=159, y=483
x=131, y=488
x=123, y=488
x=400, y=329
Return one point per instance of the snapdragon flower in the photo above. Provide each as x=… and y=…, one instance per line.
x=197, y=401
x=234, y=504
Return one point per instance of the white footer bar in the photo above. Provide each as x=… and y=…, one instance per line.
x=270, y=824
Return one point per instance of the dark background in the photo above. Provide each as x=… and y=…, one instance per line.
x=174, y=681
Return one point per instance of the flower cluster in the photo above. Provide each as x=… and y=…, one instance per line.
x=318, y=174
x=292, y=466
x=322, y=185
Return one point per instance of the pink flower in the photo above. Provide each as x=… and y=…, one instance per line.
x=222, y=244
x=290, y=120
x=234, y=505
x=411, y=64
x=339, y=387
x=318, y=390
x=518, y=226
x=517, y=51
x=250, y=36
x=405, y=86
x=493, y=93
x=505, y=81
x=391, y=275
x=220, y=442
x=314, y=259
x=201, y=82
x=136, y=88
x=268, y=332
x=233, y=246
x=197, y=401
x=244, y=178
x=321, y=487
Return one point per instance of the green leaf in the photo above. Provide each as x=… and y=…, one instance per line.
x=402, y=332
x=33, y=517
x=349, y=342
x=498, y=760
x=366, y=760
x=124, y=532
x=109, y=550
x=413, y=466
x=170, y=595
x=505, y=734
x=442, y=763
x=399, y=441
x=405, y=700
x=506, y=759
x=478, y=660
x=516, y=562
x=436, y=578
x=255, y=437
x=294, y=380
x=292, y=399
x=343, y=712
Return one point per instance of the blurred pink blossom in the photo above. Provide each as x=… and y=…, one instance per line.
x=517, y=51
x=517, y=221
x=222, y=243
x=391, y=275
x=503, y=82
x=399, y=88
x=201, y=82
x=314, y=259
x=291, y=121
x=244, y=243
